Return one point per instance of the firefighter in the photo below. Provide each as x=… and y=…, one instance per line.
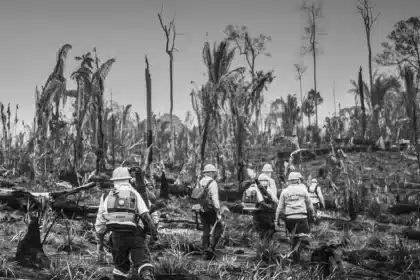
x=210, y=214
x=127, y=227
x=316, y=196
x=295, y=208
x=266, y=206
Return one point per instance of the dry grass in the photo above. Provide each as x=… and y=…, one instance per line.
x=367, y=250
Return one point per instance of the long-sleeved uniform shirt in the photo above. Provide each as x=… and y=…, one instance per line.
x=294, y=202
x=100, y=224
x=212, y=192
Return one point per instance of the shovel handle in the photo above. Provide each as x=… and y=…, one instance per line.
x=214, y=227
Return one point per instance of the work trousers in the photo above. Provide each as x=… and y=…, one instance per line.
x=300, y=229
x=129, y=249
x=208, y=219
x=316, y=206
x=264, y=224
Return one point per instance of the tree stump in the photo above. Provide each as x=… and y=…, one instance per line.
x=29, y=251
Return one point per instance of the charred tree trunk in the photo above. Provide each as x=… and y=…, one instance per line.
x=149, y=111
x=204, y=141
x=164, y=186
x=113, y=140
x=29, y=251
x=240, y=148
x=78, y=141
x=362, y=102
x=100, y=153
x=171, y=80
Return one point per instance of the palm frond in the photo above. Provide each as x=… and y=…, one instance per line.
x=126, y=113
x=61, y=56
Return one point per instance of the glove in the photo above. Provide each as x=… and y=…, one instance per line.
x=218, y=215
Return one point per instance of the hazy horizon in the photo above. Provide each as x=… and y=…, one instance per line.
x=33, y=31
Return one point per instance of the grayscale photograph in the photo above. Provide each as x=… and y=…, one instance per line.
x=210, y=139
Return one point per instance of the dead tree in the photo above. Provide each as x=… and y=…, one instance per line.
x=365, y=10
x=300, y=70
x=170, y=35
x=149, y=111
x=312, y=30
x=100, y=153
x=362, y=102
x=29, y=251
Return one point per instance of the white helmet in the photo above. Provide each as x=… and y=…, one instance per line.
x=210, y=168
x=267, y=168
x=120, y=173
x=314, y=181
x=294, y=176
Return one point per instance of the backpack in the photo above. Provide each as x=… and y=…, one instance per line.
x=313, y=194
x=198, y=196
x=122, y=211
x=250, y=199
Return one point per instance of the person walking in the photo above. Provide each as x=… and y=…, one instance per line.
x=267, y=204
x=207, y=193
x=315, y=194
x=295, y=208
x=124, y=212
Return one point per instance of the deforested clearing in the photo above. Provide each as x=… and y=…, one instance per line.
x=57, y=164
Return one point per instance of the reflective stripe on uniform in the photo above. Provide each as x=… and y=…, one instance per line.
x=119, y=272
x=131, y=224
x=144, y=266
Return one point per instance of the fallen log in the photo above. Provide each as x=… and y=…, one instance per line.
x=403, y=208
x=404, y=186
x=411, y=234
x=20, y=199
x=72, y=210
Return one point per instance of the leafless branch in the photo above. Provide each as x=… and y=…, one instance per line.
x=170, y=33
x=300, y=69
x=365, y=10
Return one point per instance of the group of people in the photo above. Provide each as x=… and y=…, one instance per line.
x=126, y=212
x=297, y=204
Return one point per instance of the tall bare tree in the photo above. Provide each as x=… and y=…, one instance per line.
x=362, y=101
x=170, y=34
x=149, y=110
x=312, y=30
x=366, y=11
x=300, y=70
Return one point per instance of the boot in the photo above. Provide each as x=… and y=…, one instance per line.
x=209, y=254
x=211, y=250
x=147, y=273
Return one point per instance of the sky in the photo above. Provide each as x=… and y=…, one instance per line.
x=32, y=31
